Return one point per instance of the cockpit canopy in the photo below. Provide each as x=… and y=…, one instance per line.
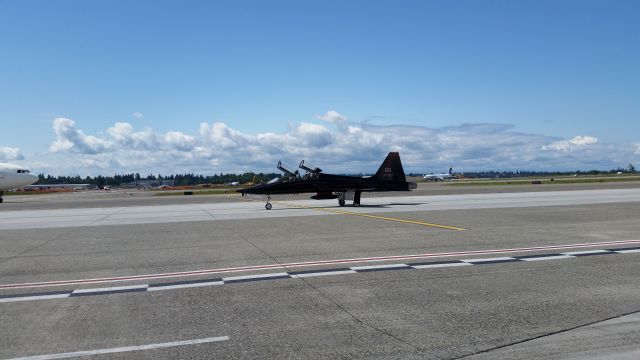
x=23, y=171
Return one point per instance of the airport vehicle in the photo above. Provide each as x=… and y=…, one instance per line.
x=389, y=177
x=439, y=177
x=14, y=176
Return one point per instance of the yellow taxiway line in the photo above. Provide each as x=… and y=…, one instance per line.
x=448, y=227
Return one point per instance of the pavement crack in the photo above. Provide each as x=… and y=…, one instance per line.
x=263, y=251
x=358, y=320
x=118, y=210
x=325, y=295
x=46, y=242
x=543, y=335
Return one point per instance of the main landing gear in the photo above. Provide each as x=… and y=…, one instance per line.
x=1, y=193
x=356, y=199
x=268, y=205
x=343, y=196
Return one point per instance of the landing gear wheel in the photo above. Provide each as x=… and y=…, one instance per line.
x=268, y=205
x=341, y=202
x=356, y=199
x=1, y=200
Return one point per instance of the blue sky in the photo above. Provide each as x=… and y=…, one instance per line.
x=551, y=70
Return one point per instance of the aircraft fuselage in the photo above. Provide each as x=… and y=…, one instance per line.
x=13, y=176
x=326, y=183
x=389, y=177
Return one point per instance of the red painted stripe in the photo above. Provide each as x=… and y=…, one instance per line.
x=314, y=263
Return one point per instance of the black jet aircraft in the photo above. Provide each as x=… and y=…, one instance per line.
x=390, y=177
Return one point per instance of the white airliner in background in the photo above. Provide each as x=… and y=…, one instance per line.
x=13, y=177
x=439, y=177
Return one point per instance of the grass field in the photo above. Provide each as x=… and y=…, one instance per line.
x=228, y=191
x=563, y=180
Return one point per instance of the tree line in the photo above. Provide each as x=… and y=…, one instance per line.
x=178, y=180
x=193, y=179
x=630, y=169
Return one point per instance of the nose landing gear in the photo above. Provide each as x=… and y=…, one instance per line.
x=342, y=198
x=268, y=205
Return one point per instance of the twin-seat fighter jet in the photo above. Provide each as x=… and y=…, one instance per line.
x=390, y=177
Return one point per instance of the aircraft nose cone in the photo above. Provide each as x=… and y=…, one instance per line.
x=32, y=178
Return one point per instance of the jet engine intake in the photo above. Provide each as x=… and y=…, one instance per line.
x=324, y=196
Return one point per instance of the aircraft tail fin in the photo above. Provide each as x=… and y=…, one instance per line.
x=450, y=171
x=391, y=169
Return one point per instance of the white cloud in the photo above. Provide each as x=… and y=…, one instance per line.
x=179, y=141
x=10, y=154
x=124, y=135
x=342, y=147
x=313, y=135
x=571, y=144
x=137, y=115
x=68, y=138
x=584, y=140
x=332, y=116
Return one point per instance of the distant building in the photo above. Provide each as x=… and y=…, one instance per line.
x=148, y=183
x=60, y=186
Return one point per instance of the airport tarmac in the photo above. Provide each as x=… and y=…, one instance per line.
x=133, y=197
x=498, y=274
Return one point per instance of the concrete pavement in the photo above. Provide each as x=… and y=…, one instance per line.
x=423, y=313
x=80, y=217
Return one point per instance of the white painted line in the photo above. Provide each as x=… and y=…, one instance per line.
x=38, y=297
x=585, y=252
x=311, y=263
x=183, y=286
x=552, y=257
x=504, y=258
x=630, y=251
x=385, y=266
x=123, y=349
x=432, y=266
x=257, y=276
x=115, y=288
x=325, y=273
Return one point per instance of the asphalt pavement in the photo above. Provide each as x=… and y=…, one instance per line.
x=494, y=275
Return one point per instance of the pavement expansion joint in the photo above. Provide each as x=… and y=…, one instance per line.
x=342, y=262
x=307, y=273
